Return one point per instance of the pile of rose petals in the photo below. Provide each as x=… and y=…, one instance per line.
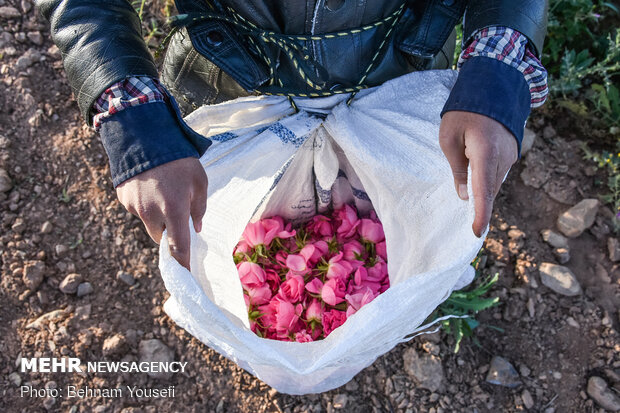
x=301, y=284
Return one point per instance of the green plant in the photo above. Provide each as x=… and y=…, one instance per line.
x=464, y=305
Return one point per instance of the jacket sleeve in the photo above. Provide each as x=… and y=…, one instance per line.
x=528, y=17
x=101, y=43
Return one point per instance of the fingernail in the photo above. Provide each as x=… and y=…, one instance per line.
x=463, y=192
x=199, y=226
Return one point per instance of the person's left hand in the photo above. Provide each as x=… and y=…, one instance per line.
x=490, y=149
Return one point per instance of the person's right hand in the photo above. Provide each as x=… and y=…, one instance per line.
x=164, y=198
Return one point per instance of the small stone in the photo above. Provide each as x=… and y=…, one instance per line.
x=502, y=373
x=26, y=6
x=61, y=249
x=84, y=289
x=34, y=271
x=18, y=226
x=352, y=386
x=35, y=37
x=613, y=246
x=43, y=298
x=572, y=322
x=82, y=312
x=7, y=12
x=554, y=239
x=5, y=181
x=598, y=390
x=155, y=350
x=47, y=227
x=114, y=346
x=562, y=254
x=528, y=401
x=524, y=370
x=15, y=379
x=559, y=278
x=340, y=401
x=516, y=234
x=426, y=370
x=70, y=284
x=549, y=132
x=528, y=140
x=126, y=278
x=578, y=218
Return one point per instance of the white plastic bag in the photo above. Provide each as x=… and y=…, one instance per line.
x=382, y=151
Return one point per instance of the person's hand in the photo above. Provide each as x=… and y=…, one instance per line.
x=164, y=198
x=488, y=147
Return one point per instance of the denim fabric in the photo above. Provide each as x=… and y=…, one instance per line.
x=492, y=88
x=145, y=136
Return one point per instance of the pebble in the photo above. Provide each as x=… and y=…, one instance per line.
x=572, y=322
x=613, y=246
x=7, y=12
x=5, y=181
x=43, y=298
x=426, y=370
x=26, y=6
x=559, y=278
x=578, y=218
x=549, y=132
x=554, y=239
x=340, y=401
x=600, y=392
x=40, y=322
x=126, y=278
x=528, y=401
x=34, y=272
x=115, y=345
x=35, y=37
x=70, y=283
x=502, y=373
x=82, y=312
x=528, y=140
x=61, y=249
x=156, y=350
x=15, y=379
x=18, y=226
x=47, y=227
x=562, y=254
x=84, y=289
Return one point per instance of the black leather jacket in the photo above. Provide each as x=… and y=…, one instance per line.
x=101, y=43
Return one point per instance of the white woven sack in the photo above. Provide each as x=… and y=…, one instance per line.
x=381, y=151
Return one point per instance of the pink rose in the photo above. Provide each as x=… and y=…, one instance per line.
x=359, y=299
x=259, y=295
x=378, y=272
x=348, y=221
x=320, y=226
x=303, y=337
x=362, y=280
x=333, y=319
x=251, y=274
x=296, y=263
x=314, y=311
x=242, y=247
x=274, y=227
x=371, y=231
x=314, y=286
x=381, y=250
x=338, y=268
x=286, y=315
x=254, y=234
x=333, y=291
x=293, y=287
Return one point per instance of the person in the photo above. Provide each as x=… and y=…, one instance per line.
x=230, y=48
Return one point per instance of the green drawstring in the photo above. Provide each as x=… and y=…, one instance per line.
x=259, y=40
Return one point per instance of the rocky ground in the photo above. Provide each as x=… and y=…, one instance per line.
x=80, y=278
